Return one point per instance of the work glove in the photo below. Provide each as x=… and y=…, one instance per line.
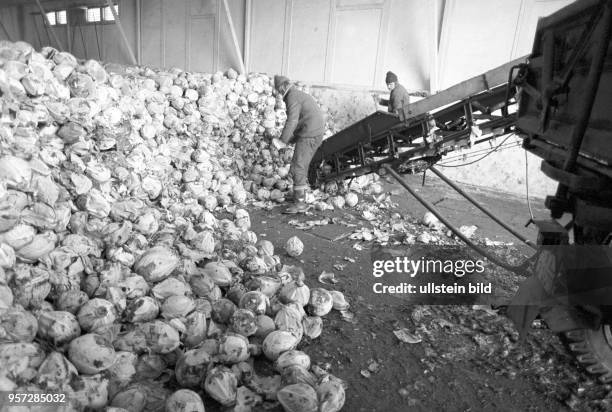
x=278, y=144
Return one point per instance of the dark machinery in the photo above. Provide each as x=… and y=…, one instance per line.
x=422, y=132
x=558, y=100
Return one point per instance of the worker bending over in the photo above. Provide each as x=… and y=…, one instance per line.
x=399, y=96
x=305, y=127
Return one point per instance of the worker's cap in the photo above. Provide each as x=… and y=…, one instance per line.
x=391, y=78
x=279, y=81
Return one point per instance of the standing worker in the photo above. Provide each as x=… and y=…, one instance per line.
x=305, y=127
x=399, y=96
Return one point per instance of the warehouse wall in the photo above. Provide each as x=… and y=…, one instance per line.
x=9, y=17
x=345, y=42
x=191, y=34
x=101, y=41
x=479, y=35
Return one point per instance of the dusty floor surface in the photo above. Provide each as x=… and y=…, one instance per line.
x=468, y=359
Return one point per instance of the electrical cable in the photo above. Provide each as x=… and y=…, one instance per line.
x=478, y=160
x=527, y=185
x=478, y=153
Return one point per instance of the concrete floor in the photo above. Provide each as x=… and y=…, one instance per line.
x=509, y=208
x=404, y=380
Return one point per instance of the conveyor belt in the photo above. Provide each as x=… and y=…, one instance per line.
x=465, y=114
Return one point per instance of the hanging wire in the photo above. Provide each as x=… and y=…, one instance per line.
x=476, y=153
x=527, y=184
x=495, y=149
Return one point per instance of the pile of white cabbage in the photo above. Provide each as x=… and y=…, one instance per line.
x=118, y=285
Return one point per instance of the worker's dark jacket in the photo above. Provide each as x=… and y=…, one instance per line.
x=304, y=118
x=399, y=98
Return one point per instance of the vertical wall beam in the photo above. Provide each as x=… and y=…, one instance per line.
x=331, y=37
x=8, y=35
x=138, y=32
x=21, y=22
x=445, y=36
x=68, y=27
x=287, y=36
x=120, y=27
x=234, y=37
x=48, y=23
x=381, y=44
x=434, y=70
x=248, y=16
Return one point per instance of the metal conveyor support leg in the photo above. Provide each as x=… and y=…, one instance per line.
x=482, y=208
x=516, y=269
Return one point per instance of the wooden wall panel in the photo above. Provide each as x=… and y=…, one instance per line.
x=202, y=49
x=9, y=16
x=531, y=11
x=505, y=31
x=114, y=48
x=358, y=3
x=319, y=41
x=477, y=36
x=356, y=46
x=192, y=34
x=267, y=36
x=37, y=33
x=308, y=40
x=175, y=34
x=203, y=7
x=227, y=56
x=152, y=28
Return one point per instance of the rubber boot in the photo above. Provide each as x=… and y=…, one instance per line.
x=299, y=206
x=290, y=197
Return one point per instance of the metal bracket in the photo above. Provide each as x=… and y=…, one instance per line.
x=550, y=232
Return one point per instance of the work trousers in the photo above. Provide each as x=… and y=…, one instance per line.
x=305, y=148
